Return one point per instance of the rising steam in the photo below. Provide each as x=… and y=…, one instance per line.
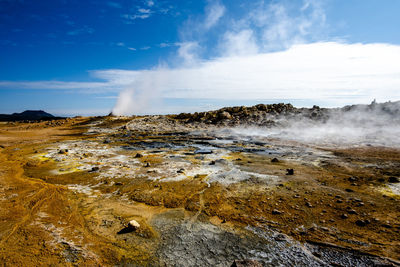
x=375, y=124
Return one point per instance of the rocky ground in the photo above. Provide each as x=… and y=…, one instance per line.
x=205, y=189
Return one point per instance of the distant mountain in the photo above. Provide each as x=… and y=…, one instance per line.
x=27, y=115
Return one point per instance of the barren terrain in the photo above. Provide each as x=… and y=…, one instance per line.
x=205, y=190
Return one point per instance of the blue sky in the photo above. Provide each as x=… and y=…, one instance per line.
x=153, y=56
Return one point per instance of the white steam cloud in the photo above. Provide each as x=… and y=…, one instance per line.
x=375, y=124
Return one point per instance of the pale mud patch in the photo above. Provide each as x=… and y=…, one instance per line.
x=84, y=189
x=395, y=188
x=175, y=165
x=390, y=189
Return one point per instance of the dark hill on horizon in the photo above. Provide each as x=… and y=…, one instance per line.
x=28, y=115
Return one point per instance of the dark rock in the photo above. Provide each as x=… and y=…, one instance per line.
x=351, y=211
x=212, y=163
x=224, y=115
x=147, y=165
x=274, y=160
x=138, y=155
x=277, y=212
x=289, y=171
x=246, y=263
x=63, y=151
x=393, y=179
x=361, y=223
x=308, y=204
x=352, y=179
x=180, y=171
x=349, y=190
x=344, y=216
x=94, y=169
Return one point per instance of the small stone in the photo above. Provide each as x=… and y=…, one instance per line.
x=344, y=216
x=277, y=212
x=289, y=171
x=134, y=225
x=308, y=204
x=180, y=170
x=274, y=160
x=63, y=151
x=326, y=229
x=387, y=225
x=147, y=165
x=94, y=169
x=212, y=163
x=360, y=223
x=352, y=179
x=393, y=179
x=349, y=190
x=138, y=155
x=339, y=201
x=351, y=211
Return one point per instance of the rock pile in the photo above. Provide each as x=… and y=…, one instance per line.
x=261, y=114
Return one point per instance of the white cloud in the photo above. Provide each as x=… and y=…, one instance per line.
x=281, y=26
x=188, y=52
x=213, y=13
x=144, y=10
x=240, y=43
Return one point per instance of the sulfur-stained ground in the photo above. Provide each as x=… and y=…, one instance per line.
x=200, y=195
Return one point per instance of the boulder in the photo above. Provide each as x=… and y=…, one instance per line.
x=224, y=115
x=133, y=225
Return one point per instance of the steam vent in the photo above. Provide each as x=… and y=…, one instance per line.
x=266, y=185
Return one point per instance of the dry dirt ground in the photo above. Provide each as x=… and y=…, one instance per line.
x=69, y=188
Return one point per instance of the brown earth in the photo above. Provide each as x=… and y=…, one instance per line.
x=43, y=222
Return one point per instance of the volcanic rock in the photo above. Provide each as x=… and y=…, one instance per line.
x=134, y=225
x=63, y=151
x=277, y=212
x=289, y=171
x=94, y=169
